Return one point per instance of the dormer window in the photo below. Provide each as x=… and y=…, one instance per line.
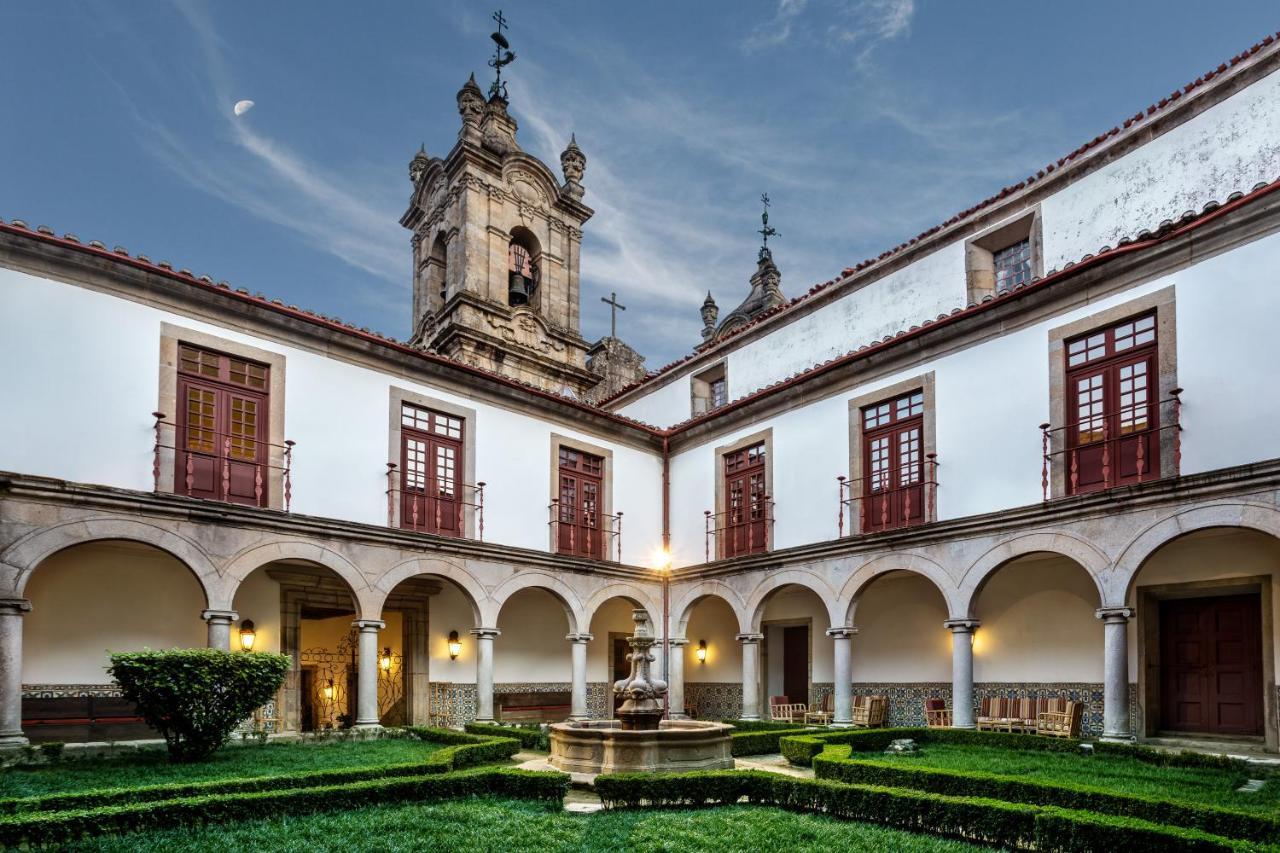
x=709, y=389
x=1004, y=257
x=522, y=270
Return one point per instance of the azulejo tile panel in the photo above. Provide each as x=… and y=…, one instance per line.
x=714, y=700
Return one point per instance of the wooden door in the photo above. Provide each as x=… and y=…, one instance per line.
x=579, y=530
x=621, y=666
x=795, y=663
x=432, y=480
x=1211, y=665
x=746, y=511
x=222, y=428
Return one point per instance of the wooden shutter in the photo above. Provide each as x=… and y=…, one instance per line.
x=431, y=445
x=222, y=427
x=746, y=511
x=579, y=528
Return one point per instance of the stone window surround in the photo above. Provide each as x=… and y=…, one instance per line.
x=399, y=397
x=923, y=383
x=606, y=501
x=764, y=437
x=1147, y=615
x=170, y=336
x=1163, y=303
x=979, y=251
x=701, y=381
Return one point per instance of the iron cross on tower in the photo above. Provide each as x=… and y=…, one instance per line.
x=502, y=57
x=766, y=231
x=614, y=307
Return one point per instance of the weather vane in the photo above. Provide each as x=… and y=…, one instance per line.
x=766, y=231
x=502, y=57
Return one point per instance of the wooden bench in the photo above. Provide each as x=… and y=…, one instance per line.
x=869, y=711
x=532, y=707
x=783, y=710
x=1052, y=716
x=83, y=718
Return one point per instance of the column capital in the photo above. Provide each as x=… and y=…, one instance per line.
x=675, y=641
x=224, y=616
x=17, y=606
x=579, y=638
x=748, y=638
x=842, y=632
x=961, y=626
x=1114, y=614
x=369, y=625
x=484, y=633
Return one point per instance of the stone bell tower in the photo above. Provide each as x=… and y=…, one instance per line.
x=496, y=242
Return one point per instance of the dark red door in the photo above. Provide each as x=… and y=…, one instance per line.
x=1112, y=412
x=621, y=666
x=579, y=530
x=1211, y=665
x=746, y=514
x=222, y=428
x=431, y=462
x=893, y=457
x=795, y=663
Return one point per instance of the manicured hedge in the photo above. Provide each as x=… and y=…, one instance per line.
x=837, y=765
x=530, y=738
x=58, y=828
x=466, y=751
x=1012, y=825
x=760, y=737
x=800, y=749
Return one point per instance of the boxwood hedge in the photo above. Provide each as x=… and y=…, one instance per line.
x=530, y=737
x=836, y=764
x=1012, y=825
x=760, y=737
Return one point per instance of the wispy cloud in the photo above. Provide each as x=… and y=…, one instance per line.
x=777, y=29
x=860, y=23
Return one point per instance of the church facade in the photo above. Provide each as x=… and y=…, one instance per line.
x=1030, y=452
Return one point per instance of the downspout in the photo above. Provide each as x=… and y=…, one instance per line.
x=666, y=571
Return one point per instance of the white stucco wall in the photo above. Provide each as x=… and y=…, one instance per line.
x=900, y=633
x=1230, y=147
x=449, y=610
x=713, y=620
x=97, y=383
x=532, y=647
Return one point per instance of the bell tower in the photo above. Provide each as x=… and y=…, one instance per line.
x=496, y=244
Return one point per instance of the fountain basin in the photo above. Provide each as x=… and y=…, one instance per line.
x=603, y=746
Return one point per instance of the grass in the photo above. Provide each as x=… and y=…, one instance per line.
x=1111, y=772
x=153, y=767
x=477, y=825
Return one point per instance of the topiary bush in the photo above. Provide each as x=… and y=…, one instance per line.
x=195, y=698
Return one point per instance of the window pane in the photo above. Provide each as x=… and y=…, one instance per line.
x=1089, y=414
x=909, y=457
x=1013, y=265
x=879, y=461
x=1133, y=397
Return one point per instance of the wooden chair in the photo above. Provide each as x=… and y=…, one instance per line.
x=936, y=714
x=869, y=711
x=1065, y=723
x=783, y=710
x=820, y=713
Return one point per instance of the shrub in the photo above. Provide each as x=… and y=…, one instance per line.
x=195, y=698
x=58, y=828
x=836, y=764
x=762, y=742
x=530, y=736
x=1012, y=825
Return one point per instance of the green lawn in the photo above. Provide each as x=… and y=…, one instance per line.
x=153, y=767
x=1111, y=772
x=481, y=825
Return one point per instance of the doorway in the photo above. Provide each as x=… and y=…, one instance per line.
x=787, y=659
x=1211, y=665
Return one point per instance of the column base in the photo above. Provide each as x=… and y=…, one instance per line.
x=14, y=741
x=487, y=721
x=578, y=718
x=840, y=724
x=749, y=717
x=970, y=727
x=1117, y=738
x=368, y=726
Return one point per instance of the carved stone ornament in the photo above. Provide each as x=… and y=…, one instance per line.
x=471, y=103
x=573, y=163
x=527, y=330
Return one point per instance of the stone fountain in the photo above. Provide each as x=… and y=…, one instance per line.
x=640, y=739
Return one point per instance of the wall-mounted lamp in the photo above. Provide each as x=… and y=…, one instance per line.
x=701, y=652
x=385, y=660
x=455, y=645
x=328, y=690
x=247, y=635
x=661, y=560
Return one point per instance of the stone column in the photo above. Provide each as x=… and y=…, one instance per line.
x=962, y=671
x=578, y=689
x=219, y=622
x=750, y=675
x=675, y=679
x=367, y=674
x=1116, y=725
x=842, y=640
x=11, y=612
x=484, y=672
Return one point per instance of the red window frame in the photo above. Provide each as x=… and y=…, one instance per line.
x=746, y=502
x=431, y=471
x=223, y=411
x=580, y=508
x=1112, y=400
x=893, y=463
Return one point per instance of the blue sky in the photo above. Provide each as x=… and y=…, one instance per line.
x=866, y=121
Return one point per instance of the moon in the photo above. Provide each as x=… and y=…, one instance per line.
x=242, y=107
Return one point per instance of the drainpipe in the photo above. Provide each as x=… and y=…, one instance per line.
x=666, y=574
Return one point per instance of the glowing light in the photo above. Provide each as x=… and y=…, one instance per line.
x=385, y=660
x=455, y=645
x=701, y=652
x=247, y=635
x=661, y=559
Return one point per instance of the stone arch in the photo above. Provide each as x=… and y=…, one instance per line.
x=573, y=608
x=1247, y=516
x=847, y=602
x=629, y=592
x=26, y=555
x=1075, y=548
x=368, y=601
x=792, y=577
x=683, y=606
x=447, y=569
